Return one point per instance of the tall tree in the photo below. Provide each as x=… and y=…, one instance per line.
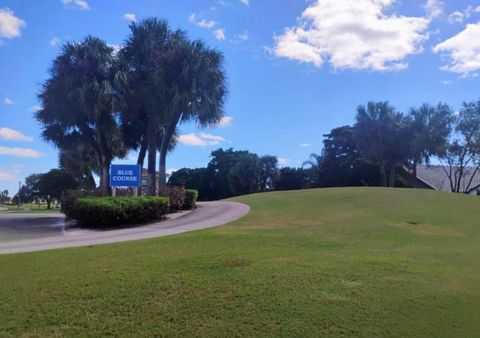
x=430, y=127
x=196, y=76
x=342, y=163
x=380, y=134
x=461, y=158
x=145, y=57
x=51, y=185
x=79, y=100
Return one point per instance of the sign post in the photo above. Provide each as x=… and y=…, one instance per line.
x=125, y=175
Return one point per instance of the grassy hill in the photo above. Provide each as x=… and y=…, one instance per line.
x=331, y=262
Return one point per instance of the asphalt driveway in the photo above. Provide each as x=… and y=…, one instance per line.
x=36, y=232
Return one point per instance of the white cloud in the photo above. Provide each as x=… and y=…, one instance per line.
x=283, y=161
x=35, y=108
x=206, y=23
x=130, y=17
x=78, y=4
x=170, y=171
x=8, y=101
x=219, y=34
x=202, y=23
x=20, y=152
x=243, y=36
x=245, y=2
x=460, y=16
x=434, y=8
x=353, y=34
x=462, y=50
x=10, y=25
x=226, y=121
x=11, y=173
x=305, y=145
x=116, y=48
x=201, y=140
x=54, y=41
x=13, y=135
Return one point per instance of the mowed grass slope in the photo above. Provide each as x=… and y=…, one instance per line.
x=331, y=262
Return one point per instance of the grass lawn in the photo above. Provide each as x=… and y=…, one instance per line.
x=332, y=262
x=28, y=208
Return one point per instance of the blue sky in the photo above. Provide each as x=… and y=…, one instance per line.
x=296, y=68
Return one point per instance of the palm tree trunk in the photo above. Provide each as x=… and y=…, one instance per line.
x=106, y=176
x=383, y=175
x=413, y=181
x=166, y=139
x=90, y=181
x=392, y=176
x=152, y=156
x=142, y=153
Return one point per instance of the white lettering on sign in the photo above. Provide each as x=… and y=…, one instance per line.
x=124, y=178
x=124, y=172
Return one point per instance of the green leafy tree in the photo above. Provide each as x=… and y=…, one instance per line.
x=51, y=185
x=79, y=100
x=430, y=127
x=461, y=158
x=4, y=196
x=341, y=162
x=292, y=179
x=381, y=134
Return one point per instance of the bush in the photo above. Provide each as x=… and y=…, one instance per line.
x=70, y=196
x=102, y=212
x=176, y=195
x=190, y=199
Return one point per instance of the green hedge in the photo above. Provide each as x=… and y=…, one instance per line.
x=190, y=199
x=103, y=212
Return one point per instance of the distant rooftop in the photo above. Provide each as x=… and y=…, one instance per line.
x=435, y=177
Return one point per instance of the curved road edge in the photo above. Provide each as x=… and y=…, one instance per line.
x=207, y=215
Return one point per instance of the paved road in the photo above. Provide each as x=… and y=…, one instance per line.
x=36, y=232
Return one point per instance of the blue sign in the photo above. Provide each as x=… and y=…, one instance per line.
x=125, y=175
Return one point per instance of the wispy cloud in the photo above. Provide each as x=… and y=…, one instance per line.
x=35, y=108
x=77, y=4
x=8, y=101
x=220, y=34
x=54, y=41
x=10, y=25
x=245, y=2
x=282, y=161
x=203, y=23
x=305, y=145
x=208, y=24
x=130, y=17
x=11, y=174
x=20, y=152
x=434, y=8
x=13, y=135
x=200, y=140
x=226, y=121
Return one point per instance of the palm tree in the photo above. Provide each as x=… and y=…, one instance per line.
x=196, y=75
x=381, y=136
x=79, y=101
x=144, y=57
x=173, y=81
x=430, y=129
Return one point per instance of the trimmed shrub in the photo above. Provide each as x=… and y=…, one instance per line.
x=190, y=199
x=176, y=195
x=70, y=196
x=103, y=212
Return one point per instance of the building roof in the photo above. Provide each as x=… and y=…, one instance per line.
x=435, y=177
